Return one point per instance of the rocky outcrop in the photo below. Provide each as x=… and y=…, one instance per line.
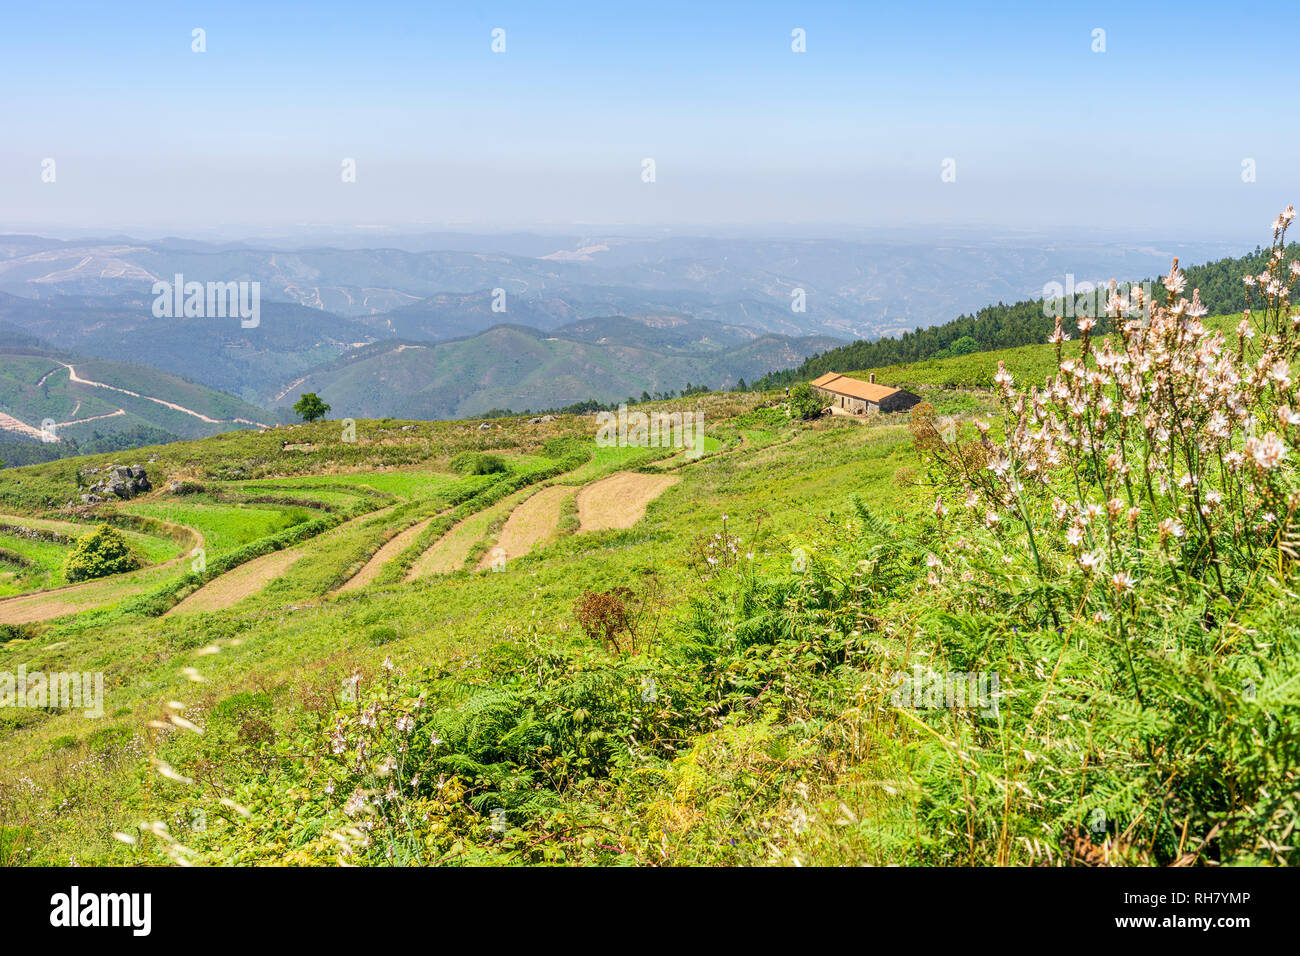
x=120, y=482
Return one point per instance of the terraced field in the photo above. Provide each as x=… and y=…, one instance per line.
x=218, y=523
x=32, y=556
x=220, y=542
x=230, y=540
x=75, y=598
x=391, y=549
x=534, y=522
x=620, y=500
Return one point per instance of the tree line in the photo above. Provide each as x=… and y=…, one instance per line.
x=1005, y=325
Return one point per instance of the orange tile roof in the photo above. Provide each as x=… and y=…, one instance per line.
x=854, y=387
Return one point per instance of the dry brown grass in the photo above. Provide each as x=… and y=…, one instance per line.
x=533, y=523
x=620, y=500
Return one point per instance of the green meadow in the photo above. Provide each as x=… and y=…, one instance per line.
x=714, y=683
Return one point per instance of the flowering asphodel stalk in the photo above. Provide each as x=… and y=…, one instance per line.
x=1158, y=448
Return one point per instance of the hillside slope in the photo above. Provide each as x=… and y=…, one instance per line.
x=98, y=404
x=1029, y=321
x=253, y=363
x=511, y=367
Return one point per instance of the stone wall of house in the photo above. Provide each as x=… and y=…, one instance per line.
x=899, y=401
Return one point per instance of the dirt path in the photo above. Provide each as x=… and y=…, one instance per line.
x=47, y=605
x=251, y=576
x=74, y=377
x=620, y=500
x=534, y=522
x=12, y=424
x=9, y=423
x=391, y=549
x=92, y=418
x=290, y=387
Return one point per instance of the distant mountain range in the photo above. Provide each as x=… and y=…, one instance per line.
x=486, y=323
x=473, y=361
x=854, y=289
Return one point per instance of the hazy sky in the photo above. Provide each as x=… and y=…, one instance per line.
x=1045, y=133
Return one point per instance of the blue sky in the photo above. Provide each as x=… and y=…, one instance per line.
x=1148, y=136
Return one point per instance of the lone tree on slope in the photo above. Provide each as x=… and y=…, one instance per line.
x=309, y=407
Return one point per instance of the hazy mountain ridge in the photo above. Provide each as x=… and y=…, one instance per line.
x=854, y=288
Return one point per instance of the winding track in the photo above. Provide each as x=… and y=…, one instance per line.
x=9, y=423
x=77, y=379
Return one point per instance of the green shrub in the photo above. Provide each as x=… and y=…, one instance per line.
x=242, y=720
x=380, y=636
x=96, y=555
x=806, y=402
x=14, y=559
x=290, y=518
x=243, y=706
x=562, y=446
x=16, y=632
x=477, y=463
x=228, y=472
x=964, y=346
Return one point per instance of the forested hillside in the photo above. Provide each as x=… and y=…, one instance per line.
x=1004, y=326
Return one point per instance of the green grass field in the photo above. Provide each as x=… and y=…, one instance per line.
x=224, y=527
x=33, y=551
